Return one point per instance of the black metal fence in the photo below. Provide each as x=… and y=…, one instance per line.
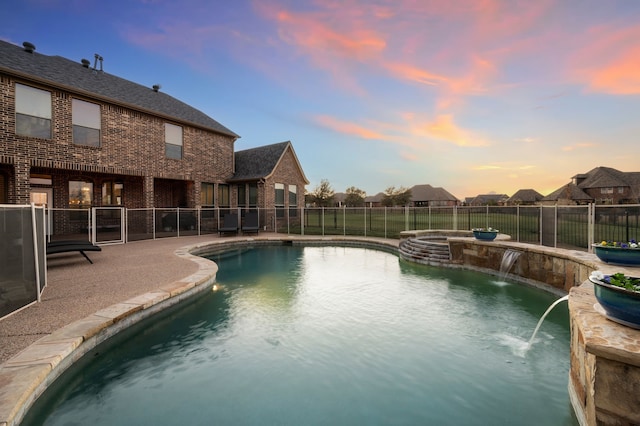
x=571, y=227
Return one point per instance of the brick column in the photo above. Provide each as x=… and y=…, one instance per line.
x=21, y=181
x=149, y=199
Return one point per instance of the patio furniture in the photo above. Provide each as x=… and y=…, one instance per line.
x=229, y=224
x=251, y=222
x=68, y=246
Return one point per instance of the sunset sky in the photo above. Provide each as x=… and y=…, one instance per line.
x=474, y=96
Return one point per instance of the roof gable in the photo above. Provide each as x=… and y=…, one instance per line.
x=72, y=76
x=568, y=192
x=604, y=177
x=526, y=195
x=261, y=162
x=427, y=192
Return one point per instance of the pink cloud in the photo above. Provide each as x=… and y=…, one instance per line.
x=609, y=61
x=349, y=128
x=443, y=128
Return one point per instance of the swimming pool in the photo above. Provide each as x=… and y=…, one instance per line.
x=329, y=335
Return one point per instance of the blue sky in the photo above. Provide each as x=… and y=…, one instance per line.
x=474, y=96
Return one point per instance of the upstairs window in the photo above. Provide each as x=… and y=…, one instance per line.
x=173, y=141
x=33, y=112
x=86, y=123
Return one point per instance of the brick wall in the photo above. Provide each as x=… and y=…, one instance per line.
x=132, y=151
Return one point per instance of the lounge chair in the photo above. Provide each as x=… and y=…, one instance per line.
x=229, y=224
x=250, y=222
x=68, y=246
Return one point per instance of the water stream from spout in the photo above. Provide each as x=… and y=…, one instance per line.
x=553, y=305
x=508, y=259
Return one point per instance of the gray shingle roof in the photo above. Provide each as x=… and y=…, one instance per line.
x=605, y=177
x=427, y=192
x=568, y=192
x=74, y=77
x=526, y=195
x=258, y=163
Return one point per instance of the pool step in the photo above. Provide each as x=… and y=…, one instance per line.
x=426, y=251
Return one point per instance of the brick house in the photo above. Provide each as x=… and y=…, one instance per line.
x=74, y=136
x=601, y=185
x=270, y=177
x=426, y=195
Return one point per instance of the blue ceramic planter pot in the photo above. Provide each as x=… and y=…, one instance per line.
x=620, y=305
x=485, y=235
x=617, y=255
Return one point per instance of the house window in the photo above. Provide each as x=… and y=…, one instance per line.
x=621, y=189
x=80, y=194
x=606, y=190
x=173, y=141
x=112, y=193
x=293, y=201
x=223, y=195
x=253, y=195
x=279, y=199
x=242, y=195
x=86, y=123
x=33, y=112
x=206, y=195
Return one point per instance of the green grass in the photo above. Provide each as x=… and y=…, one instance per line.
x=566, y=227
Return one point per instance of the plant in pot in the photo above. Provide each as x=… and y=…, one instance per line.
x=621, y=253
x=485, y=234
x=618, y=297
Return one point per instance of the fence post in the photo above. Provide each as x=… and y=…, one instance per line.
x=322, y=221
x=518, y=223
x=406, y=218
x=454, y=212
x=344, y=220
x=385, y=221
x=302, y=212
x=365, y=222
x=591, y=224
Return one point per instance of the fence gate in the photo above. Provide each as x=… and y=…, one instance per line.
x=548, y=226
x=108, y=225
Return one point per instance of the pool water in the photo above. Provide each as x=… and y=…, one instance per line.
x=329, y=336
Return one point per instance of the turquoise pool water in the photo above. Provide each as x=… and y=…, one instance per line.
x=329, y=336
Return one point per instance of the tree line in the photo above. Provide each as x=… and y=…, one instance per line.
x=323, y=195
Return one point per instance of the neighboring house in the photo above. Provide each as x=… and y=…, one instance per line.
x=525, y=197
x=602, y=185
x=489, y=200
x=73, y=136
x=426, y=195
x=374, y=200
x=569, y=194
